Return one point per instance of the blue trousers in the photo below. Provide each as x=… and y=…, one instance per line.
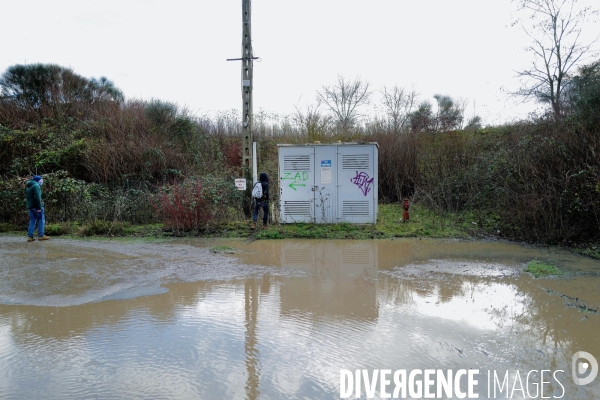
x=36, y=217
x=265, y=207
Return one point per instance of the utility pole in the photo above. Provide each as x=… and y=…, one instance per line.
x=247, y=64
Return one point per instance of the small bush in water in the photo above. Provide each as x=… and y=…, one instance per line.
x=538, y=269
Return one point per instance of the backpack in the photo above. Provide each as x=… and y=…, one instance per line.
x=257, y=191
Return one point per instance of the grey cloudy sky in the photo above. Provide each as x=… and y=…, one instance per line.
x=175, y=50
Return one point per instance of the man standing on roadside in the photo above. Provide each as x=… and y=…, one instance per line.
x=263, y=202
x=35, y=205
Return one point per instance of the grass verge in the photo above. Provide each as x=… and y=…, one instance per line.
x=590, y=251
x=390, y=224
x=423, y=223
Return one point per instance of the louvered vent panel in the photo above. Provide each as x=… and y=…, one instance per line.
x=355, y=161
x=360, y=257
x=296, y=163
x=298, y=208
x=355, y=208
x=298, y=256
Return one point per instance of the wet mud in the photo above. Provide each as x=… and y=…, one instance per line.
x=279, y=319
x=66, y=272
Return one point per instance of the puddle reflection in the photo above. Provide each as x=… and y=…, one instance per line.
x=341, y=280
x=296, y=313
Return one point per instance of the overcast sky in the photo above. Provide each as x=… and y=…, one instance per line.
x=176, y=50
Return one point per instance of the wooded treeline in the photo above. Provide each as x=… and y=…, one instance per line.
x=105, y=157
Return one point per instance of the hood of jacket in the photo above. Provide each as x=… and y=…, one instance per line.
x=264, y=177
x=31, y=183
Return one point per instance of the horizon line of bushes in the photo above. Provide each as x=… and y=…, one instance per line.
x=108, y=158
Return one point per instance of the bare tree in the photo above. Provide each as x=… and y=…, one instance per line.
x=312, y=122
x=554, y=27
x=398, y=103
x=344, y=98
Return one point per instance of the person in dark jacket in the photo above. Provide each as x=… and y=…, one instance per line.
x=263, y=202
x=35, y=205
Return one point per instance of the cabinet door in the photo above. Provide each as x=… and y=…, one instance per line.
x=357, y=184
x=325, y=187
x=296, y=181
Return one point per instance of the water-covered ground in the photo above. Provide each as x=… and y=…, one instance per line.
x=287, y=319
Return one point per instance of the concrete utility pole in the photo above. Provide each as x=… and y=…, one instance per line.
x=247, y=63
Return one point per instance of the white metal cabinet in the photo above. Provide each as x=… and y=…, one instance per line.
x=328, y=183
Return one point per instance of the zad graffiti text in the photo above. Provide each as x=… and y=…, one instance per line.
x=296, y=178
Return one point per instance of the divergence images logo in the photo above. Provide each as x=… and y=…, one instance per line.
x=580, y=368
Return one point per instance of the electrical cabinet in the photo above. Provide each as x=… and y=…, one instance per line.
x=328, y=183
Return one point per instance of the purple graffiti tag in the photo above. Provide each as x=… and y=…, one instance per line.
x=363, y=182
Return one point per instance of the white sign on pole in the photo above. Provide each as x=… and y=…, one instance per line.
x=240, y=184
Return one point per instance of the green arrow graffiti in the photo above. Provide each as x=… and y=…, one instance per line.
x=293, y=185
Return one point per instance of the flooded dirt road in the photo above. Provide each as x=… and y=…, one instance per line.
x=281, y=319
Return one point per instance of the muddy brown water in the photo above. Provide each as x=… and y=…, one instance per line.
x=281, y=319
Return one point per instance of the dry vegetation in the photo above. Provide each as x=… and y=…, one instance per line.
x=109, y=159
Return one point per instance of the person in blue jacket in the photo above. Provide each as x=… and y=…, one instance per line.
x=263, y=202
x=35, y=205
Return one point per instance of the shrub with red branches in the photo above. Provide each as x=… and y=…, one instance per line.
x=194, y=203
x=182, y=207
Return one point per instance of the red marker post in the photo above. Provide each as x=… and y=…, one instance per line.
x=406, y=207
